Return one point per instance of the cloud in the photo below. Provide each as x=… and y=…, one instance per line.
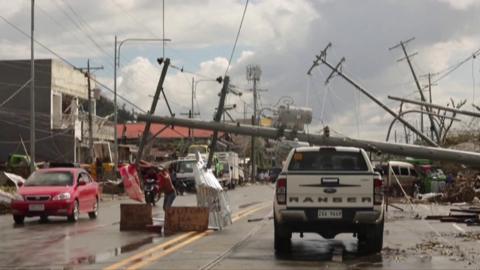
x=461, y=4
x=282, y=37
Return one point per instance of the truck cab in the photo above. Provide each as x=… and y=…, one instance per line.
x=328, y=191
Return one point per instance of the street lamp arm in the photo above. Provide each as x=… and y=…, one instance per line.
x=136, y=39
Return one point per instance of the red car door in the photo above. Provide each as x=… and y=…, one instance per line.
x=92, y=191
x=83, y=193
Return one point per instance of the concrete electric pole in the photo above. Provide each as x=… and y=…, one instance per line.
x=32, y=91
x=422, y=96
x=253, y=74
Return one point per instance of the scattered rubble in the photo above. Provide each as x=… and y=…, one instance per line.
x=460, y=215
x=434, y=247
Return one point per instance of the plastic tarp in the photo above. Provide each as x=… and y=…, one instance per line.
x=10, y=179
x=210, y=194
x=131, y=182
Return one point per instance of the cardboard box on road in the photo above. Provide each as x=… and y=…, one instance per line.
x=184, y=219
x=135, y=217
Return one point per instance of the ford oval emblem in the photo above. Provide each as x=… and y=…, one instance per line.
x=330, y=190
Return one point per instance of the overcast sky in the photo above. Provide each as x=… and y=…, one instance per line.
x=280, y=36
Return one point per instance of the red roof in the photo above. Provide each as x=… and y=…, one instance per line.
x=135, y=130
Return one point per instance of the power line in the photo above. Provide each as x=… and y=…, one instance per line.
x=77, y=25
x=14, y=93
x=236, y=38
x=68, y=62
x=451, y=69
x=87, y=27
x=134, y=19
x=63, y=27
x=183, y=70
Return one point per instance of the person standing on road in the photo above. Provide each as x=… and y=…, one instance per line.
x=166, y=186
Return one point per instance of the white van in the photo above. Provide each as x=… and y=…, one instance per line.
x=404, y=171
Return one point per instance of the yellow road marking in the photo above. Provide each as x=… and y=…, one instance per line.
x=168, y=251
x=149, y=251
x=174, y=244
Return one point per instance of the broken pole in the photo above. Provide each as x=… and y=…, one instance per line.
x=378, y=102
x=143, y=141
x=416, y=151
x=217, y=118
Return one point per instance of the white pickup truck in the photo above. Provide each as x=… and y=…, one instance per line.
x=329, y=190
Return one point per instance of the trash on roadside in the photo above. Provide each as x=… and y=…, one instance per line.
x=11, y=180
x=131, y=182
x=430, y=197
x=459, y=215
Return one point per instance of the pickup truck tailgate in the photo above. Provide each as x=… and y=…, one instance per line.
x=317, y=190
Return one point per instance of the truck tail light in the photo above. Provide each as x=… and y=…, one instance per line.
x=281, y=190
x=377, y=190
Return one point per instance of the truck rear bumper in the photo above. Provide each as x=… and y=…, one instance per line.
x=352, y=216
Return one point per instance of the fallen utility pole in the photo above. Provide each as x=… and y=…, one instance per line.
x=374, y=99
x=146, y=131
x=417, y=151
x=445, y=108
x=217, y=118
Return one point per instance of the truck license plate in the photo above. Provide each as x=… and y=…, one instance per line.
x=329, y=214
x=36, y=207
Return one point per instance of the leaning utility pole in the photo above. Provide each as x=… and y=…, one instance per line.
x=422, y=96
x=146, y=131
x=190, y=131
x=430, y=97
x=32, y=91
x=217, y=118
x=253, y=74
x=322, y=58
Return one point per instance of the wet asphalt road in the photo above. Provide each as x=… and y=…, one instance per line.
x=410, y=242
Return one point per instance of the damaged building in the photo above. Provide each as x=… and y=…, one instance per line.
x=61, y=111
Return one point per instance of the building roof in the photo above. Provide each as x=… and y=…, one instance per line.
x=135, y=130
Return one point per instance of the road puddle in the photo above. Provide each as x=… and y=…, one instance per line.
x=112, y=253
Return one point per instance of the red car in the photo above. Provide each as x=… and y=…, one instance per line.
x=56, y=192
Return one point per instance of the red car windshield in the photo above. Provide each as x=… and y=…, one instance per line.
x=50, y=179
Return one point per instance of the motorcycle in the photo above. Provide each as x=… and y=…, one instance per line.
x=180, y=186
x=151, y=191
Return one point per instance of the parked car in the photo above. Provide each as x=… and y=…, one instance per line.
x=406, y=174
x=56, y=192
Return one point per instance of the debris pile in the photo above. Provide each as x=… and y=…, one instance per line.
x=469, y=215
